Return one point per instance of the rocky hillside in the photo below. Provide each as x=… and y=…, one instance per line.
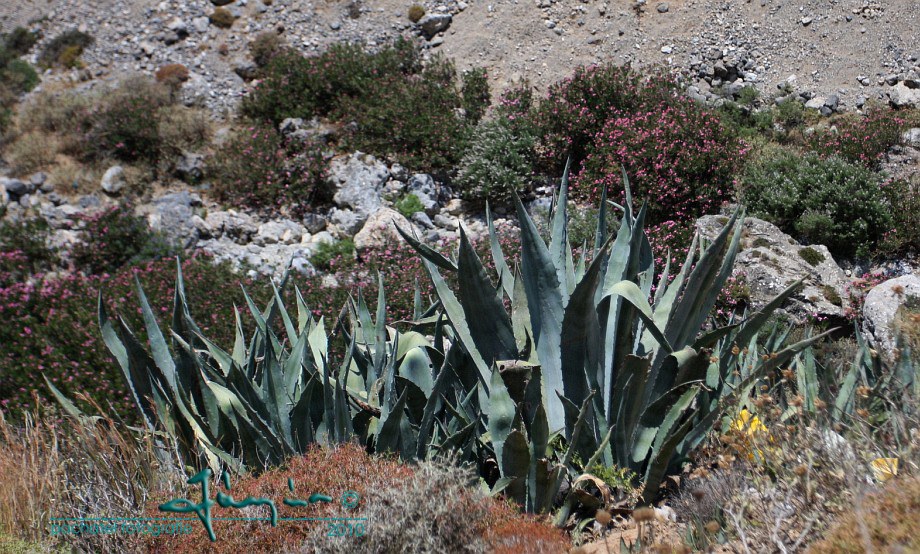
x=851, y=49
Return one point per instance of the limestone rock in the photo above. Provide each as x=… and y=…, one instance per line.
x=881, y=305
x=771, y=260
x=380, y=230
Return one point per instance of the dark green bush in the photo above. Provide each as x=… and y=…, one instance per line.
x=399, y=109
x=413, y=121
x=61, y=49
x=298, y=86
x=811, y=256
x=497, y=163
x=476, y=96
x=24, y=250
x=123, y=124
x=416, y=13
x=258, y=168
x=19, y=41
x=327, y=253
x=904, y=198
x=115, y=238
x=822, y=201
x=408, y=205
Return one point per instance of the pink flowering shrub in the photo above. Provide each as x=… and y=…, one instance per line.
x=678, y=157
x=857, y=289
x=861, y=140
x=52, y=328
x=578, y=107
x=259, y=168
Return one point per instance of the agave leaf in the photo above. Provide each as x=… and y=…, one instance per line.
x=545, y=301
x=488, y=322
x=515, y=463
x=158, y=347
x=426, y=252
x=416, y=368
x=502, y=412
x=498, y=257
x=434, y=400
x=631, y=293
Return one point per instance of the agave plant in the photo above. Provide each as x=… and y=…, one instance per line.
x=587, y=351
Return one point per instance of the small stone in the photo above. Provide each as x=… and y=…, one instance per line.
x=666, y=49
x=335, y=25
x=663, y=7
x=113, y=181
x=806, y=21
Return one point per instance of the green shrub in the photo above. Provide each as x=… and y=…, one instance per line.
x=416, y=13
x=409, y=204
x=20, y=76
x=64, y=49
x=115, y=238
x=904, y=198
x=497, y=163
x=222, y=18
x=19, y=41
x=822, y=201
x=398, y=108
x=412, y=120
x=123, y=125
x=475, y=91
x=24, y=249
x=328, y=253
x=258, y=168
x=298, y=86
x=790, y=114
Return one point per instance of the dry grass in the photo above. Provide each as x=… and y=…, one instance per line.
x=32, y=151
x=53, y=468
x=779, y=487
x=884, y=522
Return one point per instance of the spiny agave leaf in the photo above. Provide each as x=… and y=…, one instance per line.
x=239, y=343
x=458, y=440
x=665, y=304
x=426, y=426
x=843, y=405
x=574, y=436
x=520, y=313
x=580, y=344
x=416, y=368
x=417, y=309
x=380, y=332
x=545, y=301
x=409, y=341
x=388, y=437
x=293, y=367
x=631, y=293
x=158, y=348
x=752, y=325
x=426, y=252
x=559, y=249
x=600, y=235
x=807, y=379
x=455, y=314
x=132, y=364
x=659, y=419
x=285, y=318
x=304, y=315
x=69, y=407
x=485, y=314
x=498, y=257
x=502, y=412
x=515, y=463
x=301, y=421
x=658, y=465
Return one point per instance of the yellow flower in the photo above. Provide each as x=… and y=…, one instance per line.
x=748, y=423
x=884, y=468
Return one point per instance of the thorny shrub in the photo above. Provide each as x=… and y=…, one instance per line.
x=265, y=47
x=498, y=164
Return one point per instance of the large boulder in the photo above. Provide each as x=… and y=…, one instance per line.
x=771, y=260
x=881, y=307
x=902, y=96
x=358, y=180
x=432, y=24
x=113, y=181
x=173, y=215
x=380, y=230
